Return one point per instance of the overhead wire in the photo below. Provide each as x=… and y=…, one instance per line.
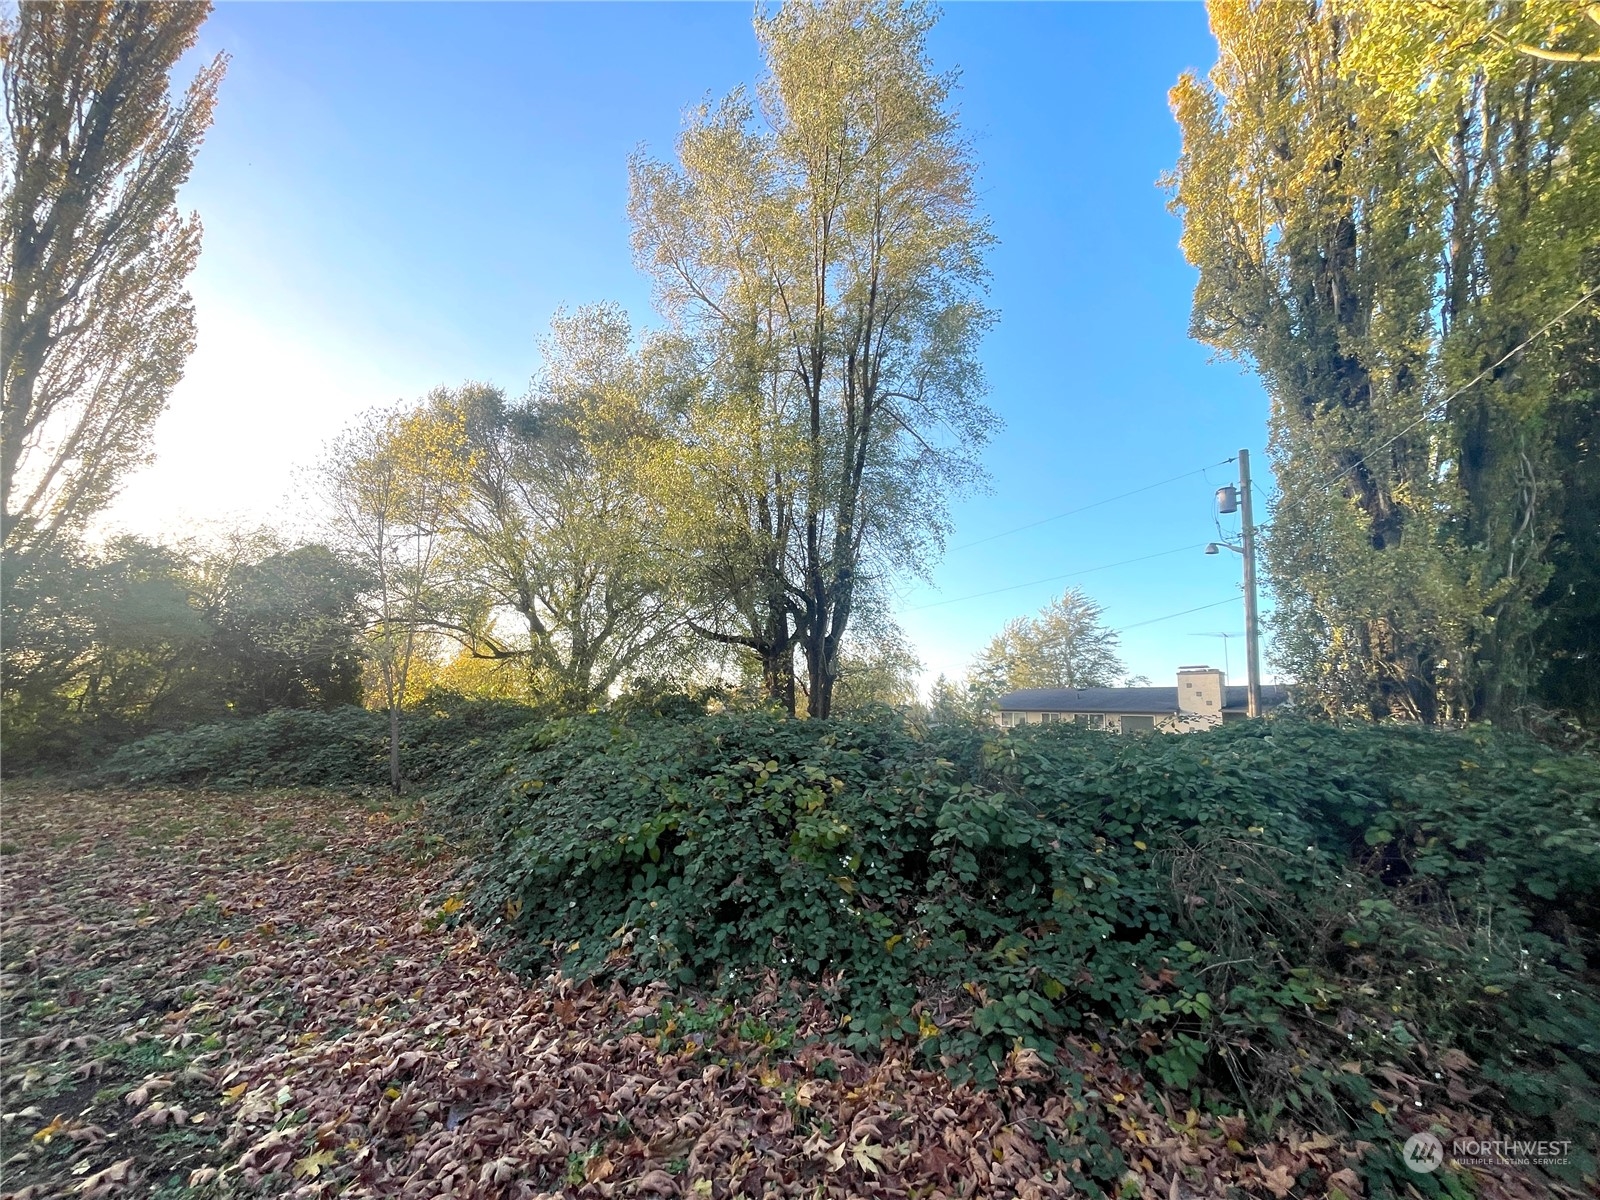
x=1429, y=410
x=1072, y=512
x=1057, y=578
x=1102, y=567
x=1172, y=616
x=1428, y=413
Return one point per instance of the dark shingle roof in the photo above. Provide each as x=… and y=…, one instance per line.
x=1125, y=700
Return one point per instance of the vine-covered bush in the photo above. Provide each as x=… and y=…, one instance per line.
x=344, y=748
x=1275, y=912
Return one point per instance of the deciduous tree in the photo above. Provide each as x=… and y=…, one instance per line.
x=1067, y=645
x=95, y=325
x=288, y=630
x=552, y=527
x=391, y=484
x=878, y=666
x=1393, y=210
x=106, y=642
x=821, y=244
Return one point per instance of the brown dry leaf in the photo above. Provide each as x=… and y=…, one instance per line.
x=1027, y=1064
x=115, y=1178
x=1278, y=1181
x=140, y=1096
x=500, y=1170
x=1346, y=1181
x=835, y=1157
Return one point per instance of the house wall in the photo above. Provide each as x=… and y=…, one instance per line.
x=1200, y=700
x=1164, y=723
x=1111, y=722
x=1186, y=722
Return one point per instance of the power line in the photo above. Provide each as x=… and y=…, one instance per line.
x=1184, y=613
x=1428, y=411
x=1072, y=512
x=1057, y=578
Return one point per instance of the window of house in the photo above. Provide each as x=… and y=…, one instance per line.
x=1135, y=724
x=1092, y=720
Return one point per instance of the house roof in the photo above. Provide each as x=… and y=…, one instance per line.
x=1156, y=700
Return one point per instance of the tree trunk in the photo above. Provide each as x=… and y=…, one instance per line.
x=394, y=749
x=777, y=677
x=821, y=676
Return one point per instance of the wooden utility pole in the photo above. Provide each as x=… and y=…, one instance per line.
x=1252, y=628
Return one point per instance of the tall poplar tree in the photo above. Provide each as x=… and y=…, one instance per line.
x=821, y=245
x=95, y=325
x=1395, y=215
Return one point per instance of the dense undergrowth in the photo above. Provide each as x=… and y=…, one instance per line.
x=1334, y=927
x=1277, y=916
x=344, y=748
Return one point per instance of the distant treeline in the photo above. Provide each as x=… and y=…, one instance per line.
x=111, y=642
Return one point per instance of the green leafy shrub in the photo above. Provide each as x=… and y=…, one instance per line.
x=443, y=735
x=1407, y=889
x=344, y=748
x=1244, y=910
x=285, y=748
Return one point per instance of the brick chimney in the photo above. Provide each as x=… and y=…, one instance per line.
x=1200, y=693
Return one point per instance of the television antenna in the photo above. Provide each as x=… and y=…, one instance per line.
x=1226, y=637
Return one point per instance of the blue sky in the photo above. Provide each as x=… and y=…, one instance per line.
x=398, y=196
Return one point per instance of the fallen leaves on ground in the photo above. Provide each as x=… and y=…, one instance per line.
x=223, y=995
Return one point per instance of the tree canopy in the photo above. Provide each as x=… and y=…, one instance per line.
x=96, y=325
x=1395, y=215
x=819, y=245
x=1066, y=645
x=106, y=642
x=552, y=527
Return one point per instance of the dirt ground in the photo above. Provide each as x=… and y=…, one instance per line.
x=211, y=995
